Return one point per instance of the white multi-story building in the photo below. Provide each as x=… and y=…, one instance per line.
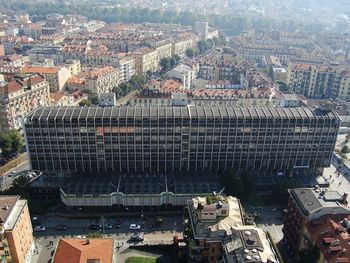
x=202, y=29
x=185, y=73
x=126, y=69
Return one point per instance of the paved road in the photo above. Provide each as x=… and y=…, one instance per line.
x=270, y=220
x=80, y=227
x=6, y=180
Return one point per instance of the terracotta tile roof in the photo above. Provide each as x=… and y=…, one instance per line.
x=12, y=86
x=40, y=70
x=56, y=97
x=99, y=72
x=75, y=81
x=35, y=80
x=79, y=250
x=331, y=237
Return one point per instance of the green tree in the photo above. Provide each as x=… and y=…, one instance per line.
x=165, y=64
x=282, y=86
x=172, y=62
x=5, y=144
x=16, y=140
x=190, y=53
x=94, y=100
x=177, y=59
x=267, y=70
x=233, y=184
x=248, y=182
x=202, y=46
x=85, y=102
x=310, y=254
x=345, y=149
x=280, y=191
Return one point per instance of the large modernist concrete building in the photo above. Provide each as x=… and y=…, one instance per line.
x=70, y=140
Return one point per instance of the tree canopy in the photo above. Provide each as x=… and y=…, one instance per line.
x=190, y=53
x=239, y=184
x=85, y=102
x=11, y=142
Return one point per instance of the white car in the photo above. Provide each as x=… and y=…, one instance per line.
x=12, y=173
x=134, y=227
x=39, y=228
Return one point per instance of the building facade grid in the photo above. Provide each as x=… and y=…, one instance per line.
x=179, y=139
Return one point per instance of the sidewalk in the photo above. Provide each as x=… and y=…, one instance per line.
x=22, y=158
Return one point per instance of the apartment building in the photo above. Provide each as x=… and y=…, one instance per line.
x=74, y=66
x=17, y=242
x=55, y=76
x=15, y=60
x=330, y=235
x=19, y=97
x=101, y=80
x=306, y=205
x=202, y=29
x=180, y=45
x=42, y=52
x=183, y=138
x=164, y=51
x=61, y=99
x=185, y=73
x=319, y=81
x=219, y=234
x=88, y=56
x=126, y=68
x=146, y=59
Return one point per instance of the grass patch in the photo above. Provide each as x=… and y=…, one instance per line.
x=140, y=260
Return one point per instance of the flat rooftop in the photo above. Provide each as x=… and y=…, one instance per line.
x=310, y=200
x=141, y=184
x=67, y=112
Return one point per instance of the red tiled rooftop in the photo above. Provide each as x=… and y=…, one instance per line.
x=79, y=250
x=40, y=70
x=330, y=238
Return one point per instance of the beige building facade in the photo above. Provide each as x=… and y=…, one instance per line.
x=102, y=80
x=145, y=60
x=55, y=76
x=17, y=242
x=180, y=46
x=18, y=98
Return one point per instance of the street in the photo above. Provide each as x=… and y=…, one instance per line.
x=6, y=180
x=270, y=220
x=80, y=228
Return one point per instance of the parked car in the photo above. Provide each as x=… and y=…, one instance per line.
x=137, y=237
x=12, y=173
x=61, y=227
x=39, y=228
x=107, y=226
x=134, y=227
x=117, y=226
x=94, y=227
